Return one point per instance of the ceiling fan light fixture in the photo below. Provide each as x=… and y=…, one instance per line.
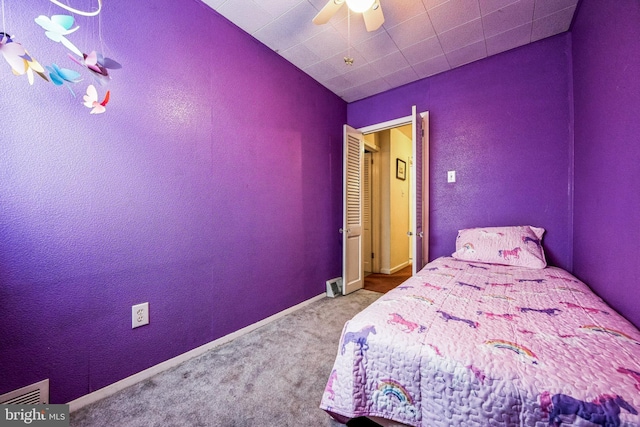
x=360, y=6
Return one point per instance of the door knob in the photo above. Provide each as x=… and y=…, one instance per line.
x=409, y=233
x=421, y=234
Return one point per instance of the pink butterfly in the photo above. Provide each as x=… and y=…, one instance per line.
x=91, y=100
x=98, y=65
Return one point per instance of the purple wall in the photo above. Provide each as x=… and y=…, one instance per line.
x=504, y=124
x=210, y=188
x=606, y=63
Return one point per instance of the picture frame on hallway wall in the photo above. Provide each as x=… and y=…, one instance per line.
x=401, y=169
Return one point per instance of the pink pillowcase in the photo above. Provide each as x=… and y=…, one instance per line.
x=520, y=246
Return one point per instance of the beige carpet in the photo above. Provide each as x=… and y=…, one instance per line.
x=273, y=376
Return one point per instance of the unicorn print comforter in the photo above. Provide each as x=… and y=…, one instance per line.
x=470, y=344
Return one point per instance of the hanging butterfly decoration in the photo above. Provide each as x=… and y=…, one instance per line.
x=57, y=28
x=91, y=100
x=13, y=53
x=19, y=59
x=33, y=66
x=63, y=76
x=98, y=65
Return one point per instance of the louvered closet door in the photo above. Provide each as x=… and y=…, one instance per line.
x=352, y=267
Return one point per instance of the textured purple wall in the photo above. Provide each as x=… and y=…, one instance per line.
x=504, y=124
x=606, y=63
x=210, y=188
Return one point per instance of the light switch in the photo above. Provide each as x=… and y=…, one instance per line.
x=451, y=176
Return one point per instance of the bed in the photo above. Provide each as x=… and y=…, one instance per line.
x=490, y=336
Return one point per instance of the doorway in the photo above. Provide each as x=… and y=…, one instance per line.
x=414, y=170
x=387, y=200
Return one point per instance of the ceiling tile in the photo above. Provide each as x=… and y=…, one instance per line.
x=322, y=71
x=431, y=66
x=422, y=51
x=286, y=31
x=430, y=4
x=509, y=39
x=412, y=30
x=467, y=54
x=508, y=17
x=362, y=91
x=390, y=64
x=277, y=8
x=300, y=55
x=488, y=6
x=362, y=75
x=214, y=4
x=401, y=77
x=245, y=14
x=463, y=35
x=338, y=84
x=547, y=7
x=552, y=24
x=327, y=43
x=401, y=11
x=376, y=47
x=453, y=14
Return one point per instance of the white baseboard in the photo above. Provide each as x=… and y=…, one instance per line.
x=92, y=397
x=395, y=269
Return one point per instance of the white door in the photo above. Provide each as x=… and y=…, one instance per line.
x=353, y=162
x=419, y=227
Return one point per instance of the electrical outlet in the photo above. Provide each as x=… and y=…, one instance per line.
x=451, y=176
x=139, y=315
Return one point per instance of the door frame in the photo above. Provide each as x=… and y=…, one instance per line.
x=408, y=120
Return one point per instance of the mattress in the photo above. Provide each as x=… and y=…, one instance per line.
x=472, y=344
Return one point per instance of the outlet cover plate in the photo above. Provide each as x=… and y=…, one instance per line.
x=139, y=315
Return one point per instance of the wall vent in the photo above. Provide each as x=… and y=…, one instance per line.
x=34, y=394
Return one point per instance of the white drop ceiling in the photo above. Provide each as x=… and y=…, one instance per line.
x=419, y=38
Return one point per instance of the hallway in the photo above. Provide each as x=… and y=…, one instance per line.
x=383, y=283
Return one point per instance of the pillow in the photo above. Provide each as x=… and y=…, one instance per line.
x=520, y=246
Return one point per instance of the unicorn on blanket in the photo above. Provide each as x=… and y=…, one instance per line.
x=510, y=253
x=358, y=338
x=408, y=326
x=527, y=239
x=603, y=411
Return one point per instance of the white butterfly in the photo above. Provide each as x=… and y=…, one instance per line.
x=19, y=59
x=57, y=27
x=91, y=100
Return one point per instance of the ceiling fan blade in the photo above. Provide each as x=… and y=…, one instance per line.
x=373, y=17
x=327, y=11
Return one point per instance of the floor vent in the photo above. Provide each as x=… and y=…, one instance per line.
x=34, y=394
x=334, y=287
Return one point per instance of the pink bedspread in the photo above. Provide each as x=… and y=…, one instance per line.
x=477, y=345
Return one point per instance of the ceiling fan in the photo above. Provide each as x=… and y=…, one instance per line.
x=370, y=9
